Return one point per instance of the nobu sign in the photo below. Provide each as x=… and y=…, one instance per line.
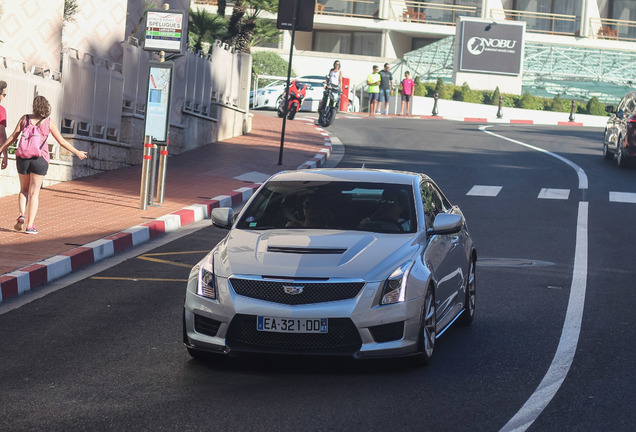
x=491, y=47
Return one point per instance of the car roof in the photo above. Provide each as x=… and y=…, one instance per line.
x=349, y=175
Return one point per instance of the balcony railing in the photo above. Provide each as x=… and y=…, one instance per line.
x=433, y=13
x=349, y=8
x=613, y=29
x=538, y=22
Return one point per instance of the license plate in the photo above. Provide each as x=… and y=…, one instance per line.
x=292, y=325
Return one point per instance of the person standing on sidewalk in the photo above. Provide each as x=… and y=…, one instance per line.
x=32, y=170
x=407, y=85
x=3, y=125
x=373, y=81
x=386, y=86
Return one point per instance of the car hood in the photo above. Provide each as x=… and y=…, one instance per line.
x=313, y=253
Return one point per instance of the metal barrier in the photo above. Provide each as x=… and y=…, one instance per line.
x=99, y=114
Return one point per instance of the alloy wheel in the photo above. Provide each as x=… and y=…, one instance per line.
x=620, y=158
x=471, y=296
x=429, y=325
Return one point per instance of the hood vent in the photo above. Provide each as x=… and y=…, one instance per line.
x=305, y=250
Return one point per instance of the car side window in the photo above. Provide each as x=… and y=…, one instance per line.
x=432, y=202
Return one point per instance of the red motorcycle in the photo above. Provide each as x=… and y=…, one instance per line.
x=297, y=92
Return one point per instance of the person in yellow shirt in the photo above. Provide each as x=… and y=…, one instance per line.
x=373, y=81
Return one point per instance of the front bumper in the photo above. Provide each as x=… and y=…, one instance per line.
x=357, y=327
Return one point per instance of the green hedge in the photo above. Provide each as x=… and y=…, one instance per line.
x=527, y=101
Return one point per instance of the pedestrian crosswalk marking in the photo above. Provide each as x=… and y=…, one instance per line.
x=562, y=194
x=622, y=197
x=550, y=193
x=490, y=191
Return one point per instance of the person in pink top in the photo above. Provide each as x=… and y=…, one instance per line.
x=32, y=170
x=406, y=85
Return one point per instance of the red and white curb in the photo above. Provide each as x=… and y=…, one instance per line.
x=481, y=120
x=18, y=282
x=324, y=154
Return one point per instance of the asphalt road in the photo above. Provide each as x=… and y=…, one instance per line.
x=105, y=352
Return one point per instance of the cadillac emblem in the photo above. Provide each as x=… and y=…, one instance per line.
x=293, y=290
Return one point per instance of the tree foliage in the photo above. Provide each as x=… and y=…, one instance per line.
x=269, y=63
x=71, y=8
x=243, y=29
x=204, y=28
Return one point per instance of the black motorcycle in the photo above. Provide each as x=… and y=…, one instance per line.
x=329, y=105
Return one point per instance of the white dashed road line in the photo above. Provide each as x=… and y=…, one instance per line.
x=561, y=194
x=490, y=191
x=622, y=197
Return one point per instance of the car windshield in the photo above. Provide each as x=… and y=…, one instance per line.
x=377, y=207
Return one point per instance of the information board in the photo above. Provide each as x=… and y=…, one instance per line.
x=164, y=31
x=158, y=102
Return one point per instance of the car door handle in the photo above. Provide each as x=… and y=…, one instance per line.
x=455, y=240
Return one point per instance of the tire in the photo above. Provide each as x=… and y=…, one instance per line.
x=428, y=330
x=607, y=155
x=280, y=109
x=201, y=356
x=292, y=111
x=322, y=118
x=621, y=162
x=331, y=116
x=471, y=293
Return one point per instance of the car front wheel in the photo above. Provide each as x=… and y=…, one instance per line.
x=606, y=153
x=471, y=292
x=620, y=158
x=428, y=330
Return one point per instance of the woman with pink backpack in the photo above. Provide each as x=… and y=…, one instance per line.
x=32, y=159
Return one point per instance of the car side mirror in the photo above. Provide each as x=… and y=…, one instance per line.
x=223, y=217
x=609, y=109
x=446, y=223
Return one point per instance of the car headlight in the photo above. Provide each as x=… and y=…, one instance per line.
x=206, y=283
x=394, y=290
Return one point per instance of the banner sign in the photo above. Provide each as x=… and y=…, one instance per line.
x=491, y=47
x=164, y=31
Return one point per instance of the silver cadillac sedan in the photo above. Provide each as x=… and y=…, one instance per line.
x=345, y=262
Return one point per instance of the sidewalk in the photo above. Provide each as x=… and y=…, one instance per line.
x=85, y=220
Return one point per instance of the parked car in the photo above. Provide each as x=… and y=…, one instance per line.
x=620, y=132
x=269, y=97
x=345, y=262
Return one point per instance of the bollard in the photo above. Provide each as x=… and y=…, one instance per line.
x=161, y=181
x=435, y=111
x=499, y=111
x=153, y=175
x=145, y=173
x=572, y=111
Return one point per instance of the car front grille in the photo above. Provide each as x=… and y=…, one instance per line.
x=341, y=339
x=310, y=292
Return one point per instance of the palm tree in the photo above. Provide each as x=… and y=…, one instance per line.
x=204, y=28
x=265, y=31
x=242, y=31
